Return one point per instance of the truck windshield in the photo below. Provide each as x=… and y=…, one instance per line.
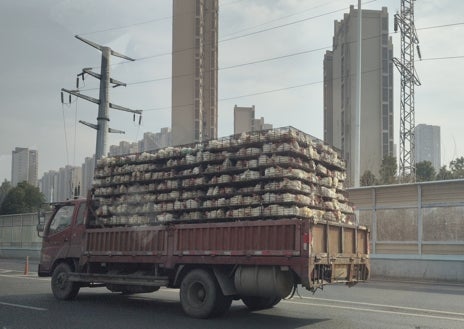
x=62, y=219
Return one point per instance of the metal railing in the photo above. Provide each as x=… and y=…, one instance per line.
x=413, y=221
x=19, y=232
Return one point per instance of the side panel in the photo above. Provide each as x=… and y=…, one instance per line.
x=263, y=238
x=134, y=241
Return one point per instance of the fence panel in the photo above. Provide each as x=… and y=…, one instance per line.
x=413, y=219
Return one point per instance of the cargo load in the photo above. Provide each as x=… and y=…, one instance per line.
x=270, y=174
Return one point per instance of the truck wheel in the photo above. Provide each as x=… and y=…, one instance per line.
x=201, y=297
x=61, y=288
x=260, y=303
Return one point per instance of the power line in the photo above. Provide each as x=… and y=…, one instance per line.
x=287, y=88
x=65, y=135
x=303, y=52
x=287, y=24
x=440, y=58
x=276, y=19
x=263, y=61
x=128, y=26
x=245, y=35
x=259, y=93
x=439, y=26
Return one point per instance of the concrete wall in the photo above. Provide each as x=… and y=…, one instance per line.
x=418, y=269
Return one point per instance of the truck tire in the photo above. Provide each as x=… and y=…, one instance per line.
x=201, y=297
x=61, y=288
x=260, y=303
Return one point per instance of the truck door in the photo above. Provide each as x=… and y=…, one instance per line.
x=57, y=237
x=78, y=230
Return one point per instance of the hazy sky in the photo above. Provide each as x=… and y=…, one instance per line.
x=39, y=56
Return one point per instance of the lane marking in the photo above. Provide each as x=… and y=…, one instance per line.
x=23, y=277
x=383, y=305
x=24, y=306
x=377, y=311
x=292, y=301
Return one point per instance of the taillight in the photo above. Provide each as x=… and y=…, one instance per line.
x=306, y=240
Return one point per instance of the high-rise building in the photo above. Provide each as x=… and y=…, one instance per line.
x=69, y=182
x=244, y=120
x=123, y=148
x=194, y=71
x=153, y=141
x=88, y=169
x=24, y=166
x=340, y=67
x=49, y=186
x=427, y=138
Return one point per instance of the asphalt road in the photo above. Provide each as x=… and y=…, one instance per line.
x=26, y=302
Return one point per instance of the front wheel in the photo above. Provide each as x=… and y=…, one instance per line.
x=260, y=303
x=201, y=297
x=62, y=288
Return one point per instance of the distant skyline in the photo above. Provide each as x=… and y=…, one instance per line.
x=270, y=56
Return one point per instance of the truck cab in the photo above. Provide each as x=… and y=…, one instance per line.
x=62, y=234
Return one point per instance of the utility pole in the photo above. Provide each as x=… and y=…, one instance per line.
x=103, y=102
x=405, y=65
x=357, y=144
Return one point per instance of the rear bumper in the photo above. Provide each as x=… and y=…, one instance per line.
x=348, y=270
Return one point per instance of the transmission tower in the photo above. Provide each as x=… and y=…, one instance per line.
x=103, y=101
x=404, y=21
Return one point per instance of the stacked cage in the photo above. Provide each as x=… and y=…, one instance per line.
x=271, y=174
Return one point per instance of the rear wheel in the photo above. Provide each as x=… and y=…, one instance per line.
x=61, y=287
x=201, y=297
x=260, y=303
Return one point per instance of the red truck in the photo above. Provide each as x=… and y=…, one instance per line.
x=257, y=261
x=248, y=216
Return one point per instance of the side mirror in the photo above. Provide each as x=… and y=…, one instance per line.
x=41, y=223
x=40, y=229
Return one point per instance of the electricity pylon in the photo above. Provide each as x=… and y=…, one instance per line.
x=103, y=101
x=405, y=65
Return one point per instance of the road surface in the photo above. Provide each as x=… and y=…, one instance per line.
x=26, y=302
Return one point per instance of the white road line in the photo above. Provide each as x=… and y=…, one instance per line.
x=24, y=277
x=292, y=301
x=377, y=311
x=25, y=306
x=384, y=305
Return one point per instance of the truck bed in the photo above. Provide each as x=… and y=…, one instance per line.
x=318, y=252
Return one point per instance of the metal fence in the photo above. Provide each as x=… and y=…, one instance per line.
x=19, y=232
x=414, y=221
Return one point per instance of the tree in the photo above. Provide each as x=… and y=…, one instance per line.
x=4, y=189
x=457, y=167
x=368, y=179
x=444, y=174
x=388, y=170
x=425, y=171
x=22, y=198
